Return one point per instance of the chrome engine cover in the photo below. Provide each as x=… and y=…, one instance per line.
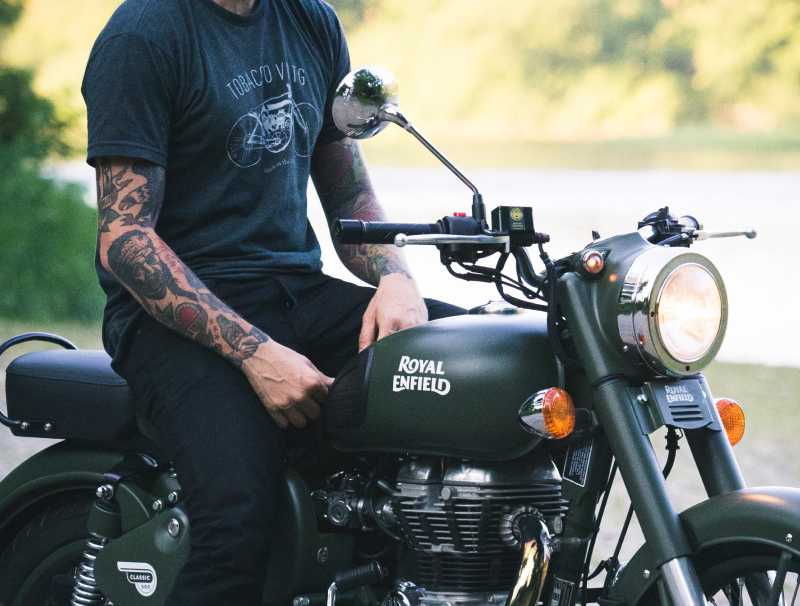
x=457, y=522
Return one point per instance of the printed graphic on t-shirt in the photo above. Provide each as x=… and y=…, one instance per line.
x=270, y=127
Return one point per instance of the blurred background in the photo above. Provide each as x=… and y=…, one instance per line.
x=594, y=112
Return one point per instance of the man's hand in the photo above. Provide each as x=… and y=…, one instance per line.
x=287, y=383
x=396, y=305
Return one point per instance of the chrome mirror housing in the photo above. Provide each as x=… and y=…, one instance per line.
x=365, y=102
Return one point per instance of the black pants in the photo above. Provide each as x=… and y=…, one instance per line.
x=229, y=454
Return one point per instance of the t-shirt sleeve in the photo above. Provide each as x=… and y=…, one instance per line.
x=128, y=95
x=341, y=67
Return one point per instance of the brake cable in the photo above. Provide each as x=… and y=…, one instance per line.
x=673, y=438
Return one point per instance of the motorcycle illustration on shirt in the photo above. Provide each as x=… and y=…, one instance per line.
x=271, y=126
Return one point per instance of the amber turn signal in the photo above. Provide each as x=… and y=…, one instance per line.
x=549, y=413
x=593, y=262
x=732, y=416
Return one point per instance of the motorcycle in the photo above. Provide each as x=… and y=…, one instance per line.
x=466, y=461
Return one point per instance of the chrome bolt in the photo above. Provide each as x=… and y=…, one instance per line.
x=174, y=528
x=625, y=349
x=48, y=427
x=172, y=498
x=158, y=505
x=641, y=398
x=322, y=555
x=558, y=525
x=106, y=491
x=447, y=493
x=789, y=538
x=24, y=426
x=646, y=574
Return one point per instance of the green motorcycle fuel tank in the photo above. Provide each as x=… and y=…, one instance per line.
x=452, y=387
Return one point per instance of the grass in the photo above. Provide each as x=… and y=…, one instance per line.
x=86, y=336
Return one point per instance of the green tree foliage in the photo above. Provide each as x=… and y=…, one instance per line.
x=27, y=121
x=588, y=69
x=518, y=69
x=46, y=230
x=352, y=12
x=46, y=257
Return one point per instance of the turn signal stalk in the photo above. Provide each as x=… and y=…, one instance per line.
x=732, y=416
x=549, y=413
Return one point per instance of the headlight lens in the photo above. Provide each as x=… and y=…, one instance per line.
x=673, y=311
x=689, y=312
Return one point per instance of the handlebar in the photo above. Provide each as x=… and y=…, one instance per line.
x=353, y=231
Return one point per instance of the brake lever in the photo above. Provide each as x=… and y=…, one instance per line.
x=401, y=240
x=700, y=234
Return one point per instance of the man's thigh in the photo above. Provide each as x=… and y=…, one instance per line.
x=329, y=321
x=227, y=450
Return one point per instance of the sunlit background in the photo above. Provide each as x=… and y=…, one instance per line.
x=594, y=112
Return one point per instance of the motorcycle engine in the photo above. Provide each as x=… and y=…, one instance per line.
x=458, y=522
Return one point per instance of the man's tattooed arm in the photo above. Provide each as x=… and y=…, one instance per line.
x=344, y=188
x=130, y=194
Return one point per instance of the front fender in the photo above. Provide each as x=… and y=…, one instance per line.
x=743, y=520
x=57, y=470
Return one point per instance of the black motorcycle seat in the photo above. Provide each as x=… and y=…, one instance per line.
x=76, y=392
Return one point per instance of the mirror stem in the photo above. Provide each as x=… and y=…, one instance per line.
x=442, y=159
x=390, y=113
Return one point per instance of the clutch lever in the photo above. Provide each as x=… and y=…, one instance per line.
x=700, y=234
x=401, y=240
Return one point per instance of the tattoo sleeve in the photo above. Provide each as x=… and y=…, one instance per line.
x=129, y=197
x=344, y=188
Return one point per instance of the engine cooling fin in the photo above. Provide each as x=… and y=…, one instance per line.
x=454, y=520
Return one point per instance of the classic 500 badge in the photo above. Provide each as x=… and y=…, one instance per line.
x=516, y=214
x=142, y=576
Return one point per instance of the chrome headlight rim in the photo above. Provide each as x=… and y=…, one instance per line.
x=638, y=315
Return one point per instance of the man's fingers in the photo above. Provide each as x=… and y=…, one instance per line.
x=279, y=419
x=296, y=418
x=388, y=327
x=319, y=393
x=368, y=330
x=309, y=408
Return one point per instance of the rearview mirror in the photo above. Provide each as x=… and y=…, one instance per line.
x=365, y=102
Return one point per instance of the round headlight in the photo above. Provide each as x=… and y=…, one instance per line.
x=673, y=311
x=689, y=312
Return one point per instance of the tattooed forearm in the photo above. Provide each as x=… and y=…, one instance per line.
x=240, y=341
x=344, y=188
x=167, y=289
x=133, y=258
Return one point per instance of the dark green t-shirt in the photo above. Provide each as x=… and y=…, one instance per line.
x=233, y=108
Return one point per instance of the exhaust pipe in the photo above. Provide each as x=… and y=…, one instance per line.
x=536, y=552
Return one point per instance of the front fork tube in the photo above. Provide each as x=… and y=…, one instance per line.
x=714, y=457
x=666, y=539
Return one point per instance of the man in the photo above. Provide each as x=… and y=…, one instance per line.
x=206, y=118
